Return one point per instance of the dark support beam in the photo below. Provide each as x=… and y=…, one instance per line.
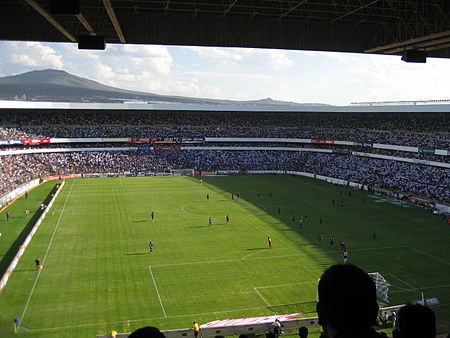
x=50, y=19
x=301, y=2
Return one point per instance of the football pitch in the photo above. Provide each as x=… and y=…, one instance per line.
x=99, y=273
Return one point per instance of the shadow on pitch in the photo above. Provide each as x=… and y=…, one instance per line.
x=251, y=249
x=135, y=254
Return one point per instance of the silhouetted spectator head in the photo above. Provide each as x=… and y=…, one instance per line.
x=243, y=335
x=416, y=321
x=347, y=301
x=303, y=332
x=270, y=335
x=147, y=332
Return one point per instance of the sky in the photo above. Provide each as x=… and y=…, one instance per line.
x=238, y=73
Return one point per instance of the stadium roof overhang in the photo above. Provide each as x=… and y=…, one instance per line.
x=362, y=26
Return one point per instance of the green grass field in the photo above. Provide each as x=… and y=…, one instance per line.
x=99, y=275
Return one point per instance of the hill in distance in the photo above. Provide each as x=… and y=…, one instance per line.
x=60, y=86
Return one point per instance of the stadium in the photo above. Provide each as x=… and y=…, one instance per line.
x=370, y=177
x=218, y=218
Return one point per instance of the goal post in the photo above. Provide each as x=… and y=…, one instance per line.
x=182, y=172
x=382, y=286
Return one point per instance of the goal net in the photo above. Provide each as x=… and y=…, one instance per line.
x=382, y=286
x=182, y=172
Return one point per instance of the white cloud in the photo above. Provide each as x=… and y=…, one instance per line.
x=273, y=59
x=27, y=55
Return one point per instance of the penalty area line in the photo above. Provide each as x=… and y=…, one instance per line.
x=260, y=295
x=45, y=257
x=429, y=255
x=157, y=291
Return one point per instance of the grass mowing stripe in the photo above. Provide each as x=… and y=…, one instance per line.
x=157, y=292
x=45, y=256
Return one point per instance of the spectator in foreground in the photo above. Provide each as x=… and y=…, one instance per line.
x=147, y=332
x=347, y=305
x=303, y=332
x=416, y=321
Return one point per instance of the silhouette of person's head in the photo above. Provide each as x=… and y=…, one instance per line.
x=347, y=302
x=303, y=332
x=147, y=332
x=416, y=321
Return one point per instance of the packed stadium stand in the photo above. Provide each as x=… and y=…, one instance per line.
x=402, y=152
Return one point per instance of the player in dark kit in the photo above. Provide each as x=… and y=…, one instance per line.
x=152, y=215
x=7, y=216
x=228, y=219
x=38, y=263
x=150, y=246
x=207, y=196
x=374, y=235
x=279, y=210
x=331, y=241
x=210, y=221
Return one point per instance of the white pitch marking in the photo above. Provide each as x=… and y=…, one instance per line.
x=429, y=255
x=281, y=285
x=424, y=288
x=146, y=319
x=157, y=292
x=45, y=256
x=260, y=295
x=268, y=257
x=407, y=284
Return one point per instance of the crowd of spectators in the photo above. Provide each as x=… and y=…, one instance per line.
x=427, y=133
x=19, y=169
x=420, y=180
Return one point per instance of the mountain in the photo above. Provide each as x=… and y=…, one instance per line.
x=60, y=86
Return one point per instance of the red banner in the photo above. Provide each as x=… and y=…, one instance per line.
x=35, y=140
x=322, y=141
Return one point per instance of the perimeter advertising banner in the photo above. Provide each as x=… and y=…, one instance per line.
x=143, y=139
x=35, y=140
x=192, y=139
x=322, y=141
x=364, y=144
x=250, y=320
x=167, y=140
x=426, y=150
x=9, y=142
x=166, y=148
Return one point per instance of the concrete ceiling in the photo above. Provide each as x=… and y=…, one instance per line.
x=362, y=26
